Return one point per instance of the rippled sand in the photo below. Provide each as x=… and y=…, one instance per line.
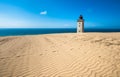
x=61, y=55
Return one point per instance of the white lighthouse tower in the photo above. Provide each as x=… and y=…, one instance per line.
x=80, y=24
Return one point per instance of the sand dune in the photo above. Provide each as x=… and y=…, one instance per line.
x=61, y=55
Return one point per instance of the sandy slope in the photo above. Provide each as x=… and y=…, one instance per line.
x=61, y=55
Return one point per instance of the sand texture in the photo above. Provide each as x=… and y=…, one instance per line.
x=61, y=55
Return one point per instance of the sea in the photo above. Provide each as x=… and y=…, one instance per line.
x=38, y=31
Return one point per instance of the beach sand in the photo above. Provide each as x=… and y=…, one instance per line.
x=61, y=55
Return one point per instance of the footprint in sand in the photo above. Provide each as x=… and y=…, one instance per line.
x=71, y=49
x=2, y=58
x=54, y=51
x=41, y=54
x=18, y=56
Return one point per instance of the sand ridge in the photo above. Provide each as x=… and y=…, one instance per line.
x=61, y=55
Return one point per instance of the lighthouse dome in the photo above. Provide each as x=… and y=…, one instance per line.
x=80, y=19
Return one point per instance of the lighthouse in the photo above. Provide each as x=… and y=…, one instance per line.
x=80, y=24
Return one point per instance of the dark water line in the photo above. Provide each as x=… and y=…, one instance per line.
x=36, y=31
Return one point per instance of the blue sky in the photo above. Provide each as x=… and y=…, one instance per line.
x=59, y=13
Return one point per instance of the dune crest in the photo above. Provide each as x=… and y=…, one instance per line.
x=61, y=55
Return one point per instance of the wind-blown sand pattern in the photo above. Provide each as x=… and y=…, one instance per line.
x=61, y=55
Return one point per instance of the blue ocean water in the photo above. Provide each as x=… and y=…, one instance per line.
x=35, y=31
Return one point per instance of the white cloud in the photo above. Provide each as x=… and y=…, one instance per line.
x=43, y=12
